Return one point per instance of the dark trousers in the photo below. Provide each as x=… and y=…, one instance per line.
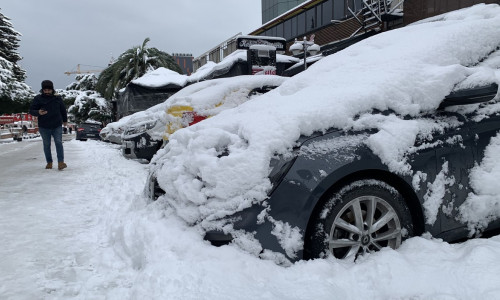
x=46, y=134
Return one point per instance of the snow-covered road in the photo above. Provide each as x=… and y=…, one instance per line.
x=88, y=233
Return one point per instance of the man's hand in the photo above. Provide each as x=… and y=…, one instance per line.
x=42, y=112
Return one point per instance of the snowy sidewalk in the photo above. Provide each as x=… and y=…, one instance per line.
x=50, y=219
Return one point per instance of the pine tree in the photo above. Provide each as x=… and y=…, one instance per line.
x=9, y=43
x=83, y=82
x=90, y=106
x=14, y=93
x=84, y=102
x=131, y=65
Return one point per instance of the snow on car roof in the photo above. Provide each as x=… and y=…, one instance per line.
x=208, y=93
x=408, y=70
x=161, y=77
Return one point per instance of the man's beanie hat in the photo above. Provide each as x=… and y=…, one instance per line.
x=47, y=84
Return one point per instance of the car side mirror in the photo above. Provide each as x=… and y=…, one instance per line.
x=470, y=96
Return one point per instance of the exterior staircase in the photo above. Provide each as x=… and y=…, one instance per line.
x=375, y=13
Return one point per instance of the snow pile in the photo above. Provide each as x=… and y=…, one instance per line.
x=483, y=205
x=435, y=194
x=220, y=166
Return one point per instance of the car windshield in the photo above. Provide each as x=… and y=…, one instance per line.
x=408, y=71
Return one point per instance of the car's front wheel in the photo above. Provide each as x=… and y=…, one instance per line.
x=361, y=217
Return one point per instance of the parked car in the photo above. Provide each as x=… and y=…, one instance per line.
x=111, y=135
x=143, y=138
x=146, y=131
x=393, y=137
x=88, y=130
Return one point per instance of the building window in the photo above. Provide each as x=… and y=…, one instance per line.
x=273, y=31
x=301, y=23
x=319, y=16
x=348, y=4
x=287, y=29
x=294, y=27
x=338, y=10
x=311, y=19
x=354, y=5
x=327, y=12
x=279, y=30
x=358, y=5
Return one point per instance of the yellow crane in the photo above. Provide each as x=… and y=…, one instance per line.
x=79, y=71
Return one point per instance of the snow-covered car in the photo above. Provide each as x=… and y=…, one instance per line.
x=196, y=102
x=142, y=131
x=392, y=137
x=144, y=137
x=111, y=134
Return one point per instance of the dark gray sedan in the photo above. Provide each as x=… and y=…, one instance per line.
x=393, y=137
x=88, y=130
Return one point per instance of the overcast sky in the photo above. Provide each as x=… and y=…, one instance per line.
x=57, y=35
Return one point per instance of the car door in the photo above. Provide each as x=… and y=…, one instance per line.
x=484, y=128
x=454, y=160
x=465, y=149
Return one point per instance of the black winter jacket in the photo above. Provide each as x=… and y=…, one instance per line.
x=56, y=111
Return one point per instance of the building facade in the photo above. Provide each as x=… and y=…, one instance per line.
x=335, y=20
x=273, y=8
x=335, y=24
x=332, y=21
x=185, y=61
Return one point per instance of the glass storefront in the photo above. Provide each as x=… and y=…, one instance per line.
x=315, y=17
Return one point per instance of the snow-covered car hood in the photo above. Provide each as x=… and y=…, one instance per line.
x=219, y=166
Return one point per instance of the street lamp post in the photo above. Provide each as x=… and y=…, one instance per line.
x=305, y=47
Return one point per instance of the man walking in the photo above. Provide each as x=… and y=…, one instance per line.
x=51, y=113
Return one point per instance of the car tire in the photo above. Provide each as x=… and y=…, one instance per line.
x=359, y=218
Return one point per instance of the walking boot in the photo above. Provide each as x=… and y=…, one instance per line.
x=61, y=165
x=48, y=166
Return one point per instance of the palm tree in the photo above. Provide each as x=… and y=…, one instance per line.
x=130, y=65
